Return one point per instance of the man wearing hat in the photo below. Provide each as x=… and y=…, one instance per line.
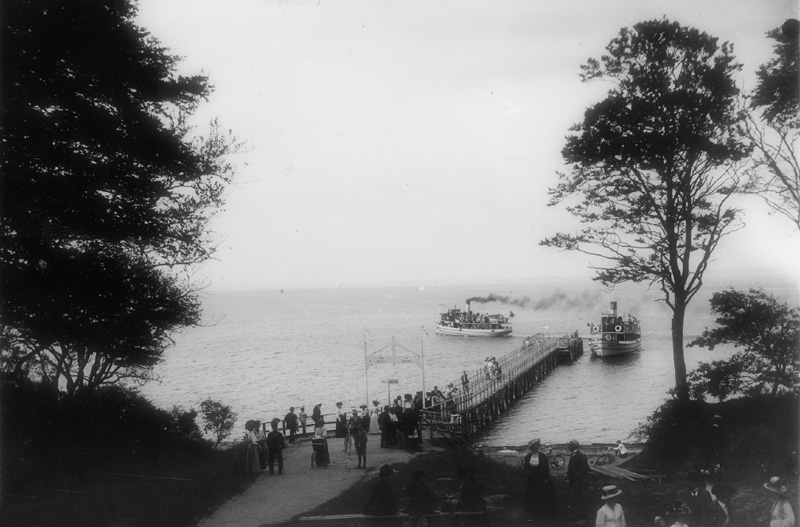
x=611, y=513
x=275, y=444
x=290, y=424
x=577, y=476
x=698, y=499
x=781, y=513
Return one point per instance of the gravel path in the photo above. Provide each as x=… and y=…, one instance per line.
x=276, y=499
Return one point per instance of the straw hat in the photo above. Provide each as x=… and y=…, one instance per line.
x=533, y=443
x=610, y=491
x=778, y=486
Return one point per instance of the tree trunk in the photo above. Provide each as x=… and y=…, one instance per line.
x=678, y=316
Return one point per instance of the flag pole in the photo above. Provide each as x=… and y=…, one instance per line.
x=422, y=358
x=366, y=369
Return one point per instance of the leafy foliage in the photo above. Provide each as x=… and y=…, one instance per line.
x=184, y=425
x=756, y=436
x=106, y=193
x=768, y=333
x=778, y=88
x=775, y=169
x=653, y=164
x=219, y=419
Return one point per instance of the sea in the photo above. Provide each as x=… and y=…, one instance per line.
x=264, y=351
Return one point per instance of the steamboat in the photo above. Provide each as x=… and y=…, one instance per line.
x=465, y=323
x=616, y=334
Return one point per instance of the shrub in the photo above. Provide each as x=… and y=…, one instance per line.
x=219, y=419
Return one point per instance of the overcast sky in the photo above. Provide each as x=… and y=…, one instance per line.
x=413, y=142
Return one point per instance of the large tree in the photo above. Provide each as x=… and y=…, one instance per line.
x=773, y=126
x=651, y=165
x=106, y=193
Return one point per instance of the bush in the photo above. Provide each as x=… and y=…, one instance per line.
x=754, y=433
x=47, y=435
x=219, y=419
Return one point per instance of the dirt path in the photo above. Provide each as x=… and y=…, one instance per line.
x=276, y=499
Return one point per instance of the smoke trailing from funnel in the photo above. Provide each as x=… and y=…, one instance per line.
x=558, y=300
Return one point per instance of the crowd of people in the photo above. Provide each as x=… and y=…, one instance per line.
x=706, y=500
x=263, y=450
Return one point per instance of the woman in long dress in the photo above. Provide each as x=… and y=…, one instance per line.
x=252, y=464
x=781, y=513
x=539, y=498
x=374, y=427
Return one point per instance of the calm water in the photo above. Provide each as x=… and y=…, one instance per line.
x=262, y=352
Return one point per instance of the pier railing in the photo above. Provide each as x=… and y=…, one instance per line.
x=486, y=395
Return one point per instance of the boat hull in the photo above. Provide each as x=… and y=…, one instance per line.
x=467, y=332
x=604, y=348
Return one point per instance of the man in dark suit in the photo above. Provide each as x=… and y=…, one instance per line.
x=577, y=477
x=698, y=499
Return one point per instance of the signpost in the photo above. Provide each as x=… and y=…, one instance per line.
x=389, y=383
x=382, y=357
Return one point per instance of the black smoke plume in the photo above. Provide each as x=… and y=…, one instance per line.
x=558, y=299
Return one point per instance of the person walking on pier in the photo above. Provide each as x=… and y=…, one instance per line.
x=316, y=416
x=577, y=477
x=290, y=424
x=341, y=421
x=387, y=430
x=275, y=443
x=303, y=419
x=540, y=493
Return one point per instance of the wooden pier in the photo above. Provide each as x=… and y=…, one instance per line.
x=486, y=397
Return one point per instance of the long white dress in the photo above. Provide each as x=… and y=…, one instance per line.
x=374, y=428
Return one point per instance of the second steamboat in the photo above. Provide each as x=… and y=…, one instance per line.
x=465, y=323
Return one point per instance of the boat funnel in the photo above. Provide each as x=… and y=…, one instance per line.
x=466, y=308
x=614, y=309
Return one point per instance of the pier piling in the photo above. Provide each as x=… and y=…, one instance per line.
x=487, y=394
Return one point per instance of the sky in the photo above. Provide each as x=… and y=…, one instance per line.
x=412, y=142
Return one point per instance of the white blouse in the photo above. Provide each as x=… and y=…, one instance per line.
x=608, y=517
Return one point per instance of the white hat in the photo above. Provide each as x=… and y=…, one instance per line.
x=610, y=491
x=778, y=486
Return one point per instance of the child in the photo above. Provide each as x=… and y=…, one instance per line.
x=360, y=442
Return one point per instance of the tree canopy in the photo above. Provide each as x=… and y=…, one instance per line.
x=107, y=192
x=651, y=164
x=768, y=336
x=773, y=126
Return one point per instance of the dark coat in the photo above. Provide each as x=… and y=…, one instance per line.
x=578, y=467
x=381, y=500
x=540, y=493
